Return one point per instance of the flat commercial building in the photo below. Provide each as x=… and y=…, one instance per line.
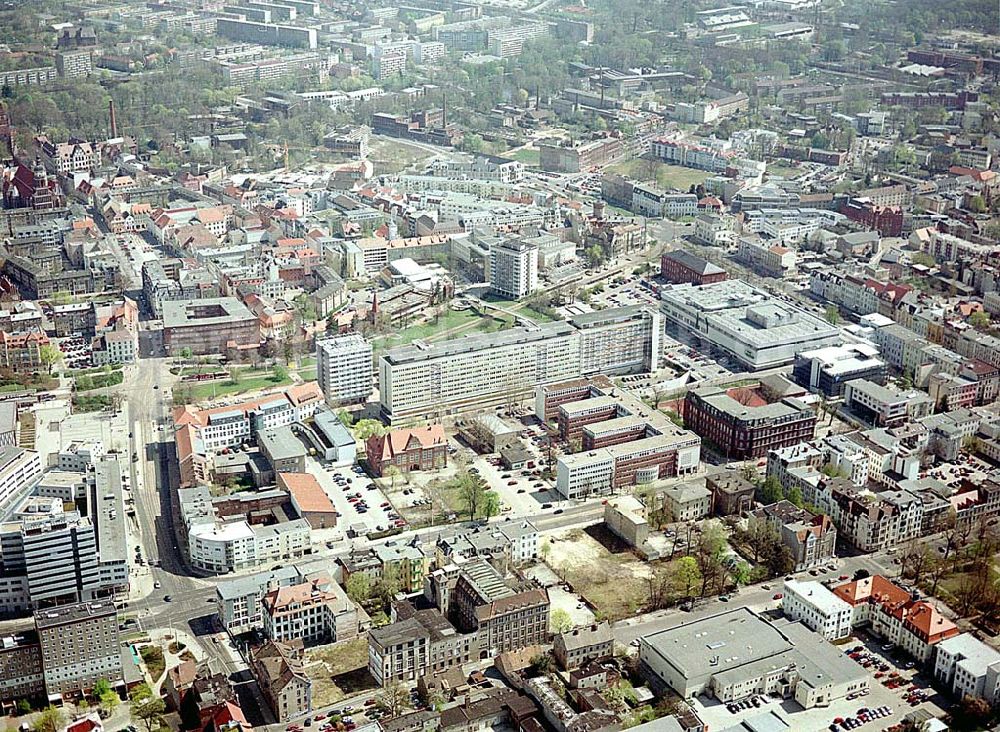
x=19, y=468
x=80, y=646
x=968, y=667
x=747, y=323
x=883, y=406
x=424, y=380
x=827, y=370
x=344, y=368
x=738, y=654
x=208, y=327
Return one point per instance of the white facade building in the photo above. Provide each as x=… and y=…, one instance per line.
x=344, y=368
x=513, y=269
x=817, y=607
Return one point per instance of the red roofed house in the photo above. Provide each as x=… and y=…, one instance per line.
x=90, y=723
x=894, y=615
x=309, y=499
x=420, y=448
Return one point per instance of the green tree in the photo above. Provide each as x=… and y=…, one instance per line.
x=359, y=588
x=686, y=576
x=472, y=492
x=186, y=353
x=771, y=490
x=146, y=707
x=491, y=504
x=560, y=621
x=365, y=428
x=594, y=256
x=279, y=373
x=832, y=315
x=49, y=355
x=980, y=319
x=795, y=495
x=50, y=719
x=345, y=418
x=23, y=706
x=388, y=586
x=977, y=204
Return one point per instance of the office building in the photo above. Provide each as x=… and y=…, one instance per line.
x=885, y=407
x=55, y=551
x=209, y=327
x=737, y=654
x=618, y=440
x=513, y=269
x=424, y=380
x=819, y=609
x=747, y=323
x=344, y=368
x=202, y=433
x=503, y=615
x=19, y=469
x=968, y=667
x=827, y=370
x=80, y=647
x=743, y=427
x=239, y=601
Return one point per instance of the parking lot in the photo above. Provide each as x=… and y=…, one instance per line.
x=360, y=503
x=76, y=351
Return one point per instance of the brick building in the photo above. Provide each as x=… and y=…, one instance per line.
x=679, y=266
x=419, y=448
x=740, y=427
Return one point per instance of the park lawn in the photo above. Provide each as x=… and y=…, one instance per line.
x=667, y=176
x=338, y=671
x=308, y=374
x=539, y=317
x=431, y=329
x=225, y=387
x=152, y=656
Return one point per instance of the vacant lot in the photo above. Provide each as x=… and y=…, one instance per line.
x=338, y=671
x=394, y=156
x=615, y=584
x=666, y=176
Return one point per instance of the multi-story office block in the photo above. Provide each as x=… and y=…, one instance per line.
x=344, y=368
x=80, y=646
x=20, y=666
x=513, y=269
x=424, y=380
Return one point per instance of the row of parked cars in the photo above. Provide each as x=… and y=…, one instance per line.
x=752, y=702
x=864, y=716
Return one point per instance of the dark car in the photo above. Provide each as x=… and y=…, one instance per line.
x=167, y=598
x=546, y=505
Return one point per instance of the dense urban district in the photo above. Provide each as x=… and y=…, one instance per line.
x=508, y=365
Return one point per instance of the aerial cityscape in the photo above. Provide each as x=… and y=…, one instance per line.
x=499, y=365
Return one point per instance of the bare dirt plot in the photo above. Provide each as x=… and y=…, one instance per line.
x=338, y=671
x=614, y=584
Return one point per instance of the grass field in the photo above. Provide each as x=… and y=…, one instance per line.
x=784, y=171
x=338, y=671
x=666, y=176
x=248, y=380
x=528, y=156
